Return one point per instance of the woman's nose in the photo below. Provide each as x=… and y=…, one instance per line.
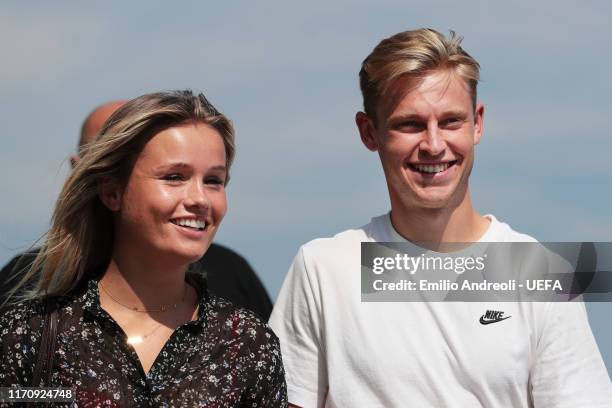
x=197, y=196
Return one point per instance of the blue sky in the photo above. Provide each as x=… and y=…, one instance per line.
x=286, y=73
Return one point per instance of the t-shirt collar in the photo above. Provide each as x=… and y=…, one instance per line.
x=393, y=236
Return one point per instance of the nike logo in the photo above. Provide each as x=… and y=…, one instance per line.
x=492, y=316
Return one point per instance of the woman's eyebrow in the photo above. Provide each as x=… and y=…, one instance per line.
x=219, y=167
x=171, y=165
x=182, y=165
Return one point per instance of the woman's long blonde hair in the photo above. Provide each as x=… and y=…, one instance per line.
x=80, y=240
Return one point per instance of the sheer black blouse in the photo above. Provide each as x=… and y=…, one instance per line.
x=226, y=358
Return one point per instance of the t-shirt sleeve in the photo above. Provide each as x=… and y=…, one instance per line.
x=296, y=320
x=568, y=370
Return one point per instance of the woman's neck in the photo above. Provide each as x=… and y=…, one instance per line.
x=143, y=285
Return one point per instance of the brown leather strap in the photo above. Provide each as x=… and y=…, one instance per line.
x=44, y=361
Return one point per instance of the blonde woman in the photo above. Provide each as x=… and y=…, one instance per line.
x=115, y=312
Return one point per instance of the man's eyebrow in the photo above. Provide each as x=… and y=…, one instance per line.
x=455, y=113
x=411, y=116
x=402, y=117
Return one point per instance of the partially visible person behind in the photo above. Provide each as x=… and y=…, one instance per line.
x=228, y=274
x=133, y=327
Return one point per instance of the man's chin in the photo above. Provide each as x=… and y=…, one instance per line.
x=434, y=204
x=431, y=201
x=438, y=197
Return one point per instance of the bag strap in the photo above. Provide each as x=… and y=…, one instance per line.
x=44, y=361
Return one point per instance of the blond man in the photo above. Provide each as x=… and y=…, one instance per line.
x=422, y=117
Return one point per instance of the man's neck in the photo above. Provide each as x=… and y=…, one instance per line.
x=433, y=225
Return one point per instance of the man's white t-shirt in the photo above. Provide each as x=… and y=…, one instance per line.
x=341, y=352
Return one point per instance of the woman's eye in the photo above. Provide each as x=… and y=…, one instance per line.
x=213, y=180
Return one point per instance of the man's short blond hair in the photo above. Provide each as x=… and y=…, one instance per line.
x=413, y=55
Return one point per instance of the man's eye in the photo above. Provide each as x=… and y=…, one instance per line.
x=411, y=126
x=451, y=122
x=173, y=177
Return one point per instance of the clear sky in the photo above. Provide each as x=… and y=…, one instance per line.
x=286, y=73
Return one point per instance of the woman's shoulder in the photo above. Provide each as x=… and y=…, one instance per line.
x=21, y=313
x=22, y=321
x=227, y=321
x=246, y=344
x=252, y=344
x=20, y=332
x=238, y=322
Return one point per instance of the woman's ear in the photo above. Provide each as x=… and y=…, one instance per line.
x=109, y=192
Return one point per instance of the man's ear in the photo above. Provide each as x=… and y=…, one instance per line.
x=366, y=131
x=478, y=122
x=109, y=192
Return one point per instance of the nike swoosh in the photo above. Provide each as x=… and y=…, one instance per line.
x=483, y=321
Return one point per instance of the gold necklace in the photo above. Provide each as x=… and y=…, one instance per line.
x=139, y=339
x=136, y=309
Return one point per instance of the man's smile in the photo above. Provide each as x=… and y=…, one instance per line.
x=432, y=167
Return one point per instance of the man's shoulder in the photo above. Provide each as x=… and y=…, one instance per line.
x=538, y=259
x=346, y=240
x=346, y=237
x=500, y=231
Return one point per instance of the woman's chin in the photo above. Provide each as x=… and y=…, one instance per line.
x=196, y=256
x=184, y=256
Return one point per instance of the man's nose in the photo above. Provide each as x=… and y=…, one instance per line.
x=432, y=142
